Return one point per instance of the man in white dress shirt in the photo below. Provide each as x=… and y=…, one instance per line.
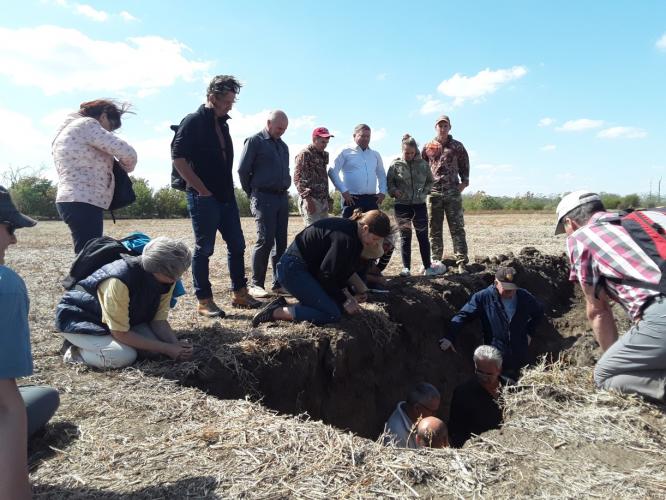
x=358, y=173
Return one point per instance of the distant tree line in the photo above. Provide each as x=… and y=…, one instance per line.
x=36, y=195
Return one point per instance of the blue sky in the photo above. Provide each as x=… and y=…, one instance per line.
x=546, y=96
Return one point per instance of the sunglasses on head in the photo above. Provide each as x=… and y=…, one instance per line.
x=11, y=228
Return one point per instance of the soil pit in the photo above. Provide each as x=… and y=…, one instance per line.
x=351, y=375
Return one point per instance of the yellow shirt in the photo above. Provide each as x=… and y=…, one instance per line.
x=113, y=296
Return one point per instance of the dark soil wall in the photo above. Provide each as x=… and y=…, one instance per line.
x=352, y=376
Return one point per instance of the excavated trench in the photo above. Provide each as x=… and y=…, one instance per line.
x=352, y=375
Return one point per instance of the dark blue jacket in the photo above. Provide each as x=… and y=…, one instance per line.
x=79, y=310
x=509, y=338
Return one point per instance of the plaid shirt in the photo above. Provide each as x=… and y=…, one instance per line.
x=310, y=176
x=598, y=250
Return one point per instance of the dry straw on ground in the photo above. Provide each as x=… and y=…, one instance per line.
x=148, y=437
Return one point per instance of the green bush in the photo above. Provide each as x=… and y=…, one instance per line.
x=336, y=208
x=170, y=203
x=243, y=203
x=35, y=196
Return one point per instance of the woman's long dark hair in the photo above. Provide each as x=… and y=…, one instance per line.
x=114, y=110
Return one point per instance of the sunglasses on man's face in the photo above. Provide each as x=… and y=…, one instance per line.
x=11, y=229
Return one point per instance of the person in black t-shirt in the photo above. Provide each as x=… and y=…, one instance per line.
x=474, y=407
x=318, y=266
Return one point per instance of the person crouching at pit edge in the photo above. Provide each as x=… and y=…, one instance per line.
x=122, y=308
x=318, y=265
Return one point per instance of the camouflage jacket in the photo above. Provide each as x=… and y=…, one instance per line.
x=449, y=168
x=413, y=179
x=310, y=177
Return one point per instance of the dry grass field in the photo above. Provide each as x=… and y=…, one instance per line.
x=142, y=433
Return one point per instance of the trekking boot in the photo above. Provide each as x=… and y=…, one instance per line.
x=243, y=300
x=209, y=309
x=461, y=268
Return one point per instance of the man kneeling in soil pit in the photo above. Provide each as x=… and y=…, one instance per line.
x=509, y=316
x=422, y=402
x=431, y=432
x=474, y=407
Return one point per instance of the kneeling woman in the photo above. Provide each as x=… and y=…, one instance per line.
x=122, y=308
x=317, y=266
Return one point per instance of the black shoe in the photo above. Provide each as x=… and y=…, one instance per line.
x=66, y=344
x=266, y=314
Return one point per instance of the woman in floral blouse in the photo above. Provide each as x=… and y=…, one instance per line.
x=84, y=150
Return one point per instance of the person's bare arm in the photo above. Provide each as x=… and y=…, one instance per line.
x=14, y=443
x=600, y=316
x=186, y=172
x=163, y=330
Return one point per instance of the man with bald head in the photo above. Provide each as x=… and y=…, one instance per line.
x=431, y=432
x=264, y=176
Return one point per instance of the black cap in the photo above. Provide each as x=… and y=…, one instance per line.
x=9, y=214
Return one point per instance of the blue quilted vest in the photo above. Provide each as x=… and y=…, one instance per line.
x=79, y=310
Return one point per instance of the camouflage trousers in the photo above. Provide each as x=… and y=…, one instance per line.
x=448, y=203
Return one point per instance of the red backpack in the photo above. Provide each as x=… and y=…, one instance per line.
x=648, y=229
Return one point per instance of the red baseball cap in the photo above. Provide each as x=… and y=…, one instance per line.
x=321, y=132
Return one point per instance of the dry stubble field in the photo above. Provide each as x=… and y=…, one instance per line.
x=138, y=433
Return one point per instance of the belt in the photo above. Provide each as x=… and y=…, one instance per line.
x=271, y=191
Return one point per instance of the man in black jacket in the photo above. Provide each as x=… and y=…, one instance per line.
x=203, y=155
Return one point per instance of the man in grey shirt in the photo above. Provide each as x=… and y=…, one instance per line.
x=264, y=176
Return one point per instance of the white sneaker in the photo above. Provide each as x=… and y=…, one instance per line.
x=405, y=272
x=257, y=292
x=72, y=356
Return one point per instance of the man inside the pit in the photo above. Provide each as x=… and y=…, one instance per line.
x=509, y=316
x=422, y=402
x=431, y=432
x=474, y=407
x=611, y=267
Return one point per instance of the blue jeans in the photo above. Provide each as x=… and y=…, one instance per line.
x=85, y=221
x=365, y=202
x=314, y=304
x=208, y=217
x=271, y=215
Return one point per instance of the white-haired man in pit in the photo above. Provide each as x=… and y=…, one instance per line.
x=475, y=408
x=422, y=402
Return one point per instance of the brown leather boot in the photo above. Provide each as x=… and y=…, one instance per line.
x=209, y=309
x=242, y=299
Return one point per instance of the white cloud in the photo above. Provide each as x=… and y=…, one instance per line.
x=579, y=125
x=378, y=134
x=546, y=122
x=549, y=147
x=21, y=141
x=661, y=43
x=307, y=121
x=431, y=105
x=127, y=17
x=493, y=168
x=60, y=60
x=622, y=133
x=463, y=88
x=91, y=13
x=55, y=118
